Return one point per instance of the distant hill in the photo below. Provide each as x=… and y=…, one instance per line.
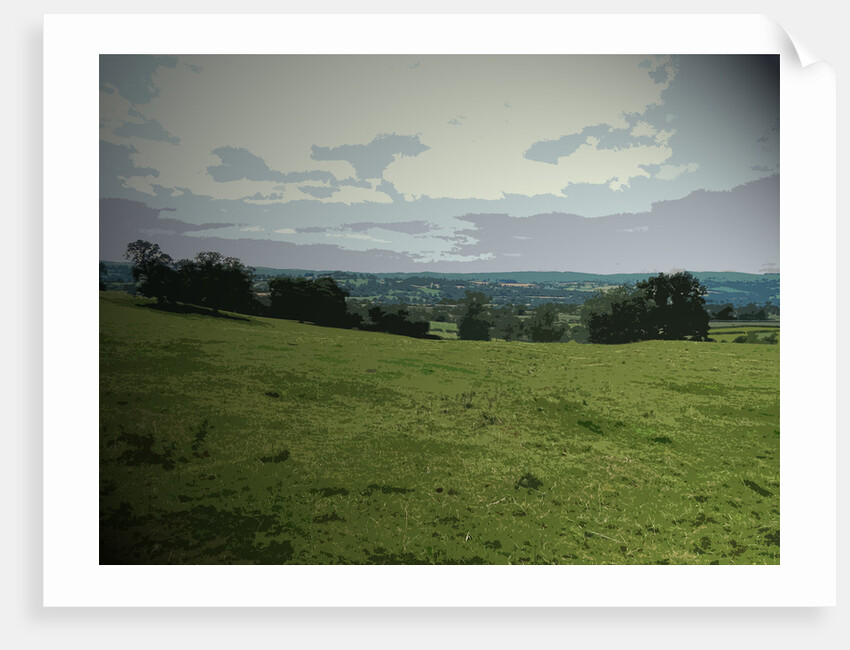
x=520, y=287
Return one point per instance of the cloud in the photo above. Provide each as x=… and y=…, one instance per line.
x=406, y=227
x=285, y=231
x=370, y=160
x=252, y=229
x=132, y=75
x=319, y=191
x=238, y=164
x=662, y=238
x=389, y=189
x=456, y=121
x=313, y=175
x=147, y=130
x=123, y=221
x=116, y=163
x=669, y=172
x=259, y=196
x=353, y=235
x=356, y=183
x=549, y=151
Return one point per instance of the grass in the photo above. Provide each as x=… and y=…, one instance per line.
x=729, y=334
x=444, y=330
x=267, y=441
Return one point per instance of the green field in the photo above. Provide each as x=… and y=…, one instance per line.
x=729, y=334
x=443, y=330
x=252, y=440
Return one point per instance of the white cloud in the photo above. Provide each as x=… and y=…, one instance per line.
x=285, y=231
x=252, y=229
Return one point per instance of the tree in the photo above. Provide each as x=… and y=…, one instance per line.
x=662, y=307
x=544, y=326
x=319, y=301
x=217, y=282
x=675, y=306
x=506, y=324
x=152, y=270
x=474, y=325
x=727, y=313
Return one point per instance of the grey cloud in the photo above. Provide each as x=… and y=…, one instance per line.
x=115, y=162
x=761, y=168
x=319, y=191
x=389, y=189
x=456, y=121
x=283, y=255
x=309, y=229
x=356, y=183
x=313, y=175
x=659, y=75
x=370, y=160
x=148, y=130
x=237, y=164
x=722, y=104
x=132, y=74
x=661, y=239
x=258, y=196
x=123, y=221
x=193, y=68
x=549, y=151
x=622, y=139
x=407, y=227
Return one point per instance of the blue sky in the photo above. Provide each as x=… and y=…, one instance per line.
x=406, y=163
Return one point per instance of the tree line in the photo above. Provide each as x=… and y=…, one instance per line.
x=217, y=282
x=666, y=307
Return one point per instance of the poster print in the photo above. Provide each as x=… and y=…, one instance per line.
x=481, y=309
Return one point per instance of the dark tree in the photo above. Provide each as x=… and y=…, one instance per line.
x=396, y=322
x=727, y=313
x=752, y=312
x=676, y=306
x=217, y=282
x=544, y=326
x=474, y=324
x=662, y=307
x=320, y=301
x=152, y=271
x=506, y=324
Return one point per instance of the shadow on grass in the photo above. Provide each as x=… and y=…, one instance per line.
x=191, y=309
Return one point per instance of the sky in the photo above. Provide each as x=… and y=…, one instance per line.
x=600, y=164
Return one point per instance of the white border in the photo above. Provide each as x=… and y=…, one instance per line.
x=72, y=575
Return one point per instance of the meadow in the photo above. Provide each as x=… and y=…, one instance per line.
x=237, y=439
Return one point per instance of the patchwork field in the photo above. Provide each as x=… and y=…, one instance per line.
x=252, y=440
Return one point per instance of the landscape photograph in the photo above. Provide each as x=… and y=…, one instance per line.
x=439, y=309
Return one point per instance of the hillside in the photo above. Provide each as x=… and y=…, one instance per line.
x=250, y=440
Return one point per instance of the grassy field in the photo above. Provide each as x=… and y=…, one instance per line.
x=250, y=440
x=443, y=330
x=729, y=334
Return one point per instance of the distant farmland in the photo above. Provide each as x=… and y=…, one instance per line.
x=249, y=440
